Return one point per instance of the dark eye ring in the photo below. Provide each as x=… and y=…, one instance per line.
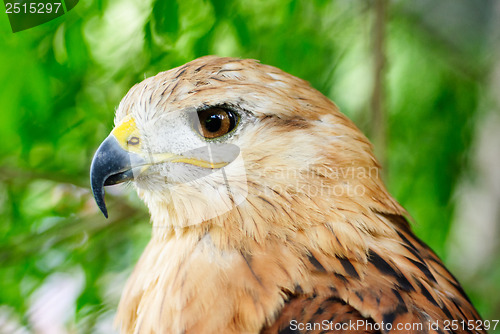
x=215, y=122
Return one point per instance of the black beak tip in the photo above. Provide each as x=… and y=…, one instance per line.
x=103, y=209
x=98, y=192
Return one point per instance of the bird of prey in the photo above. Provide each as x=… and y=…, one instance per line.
x=268, y=213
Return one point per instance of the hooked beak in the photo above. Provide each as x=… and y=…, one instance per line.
x=122, y=154
x=111, y=165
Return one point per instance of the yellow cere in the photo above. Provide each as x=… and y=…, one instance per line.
x=125, y=131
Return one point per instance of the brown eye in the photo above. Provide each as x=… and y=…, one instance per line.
x=216, y=122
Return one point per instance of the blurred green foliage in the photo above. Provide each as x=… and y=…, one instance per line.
x=62, y=81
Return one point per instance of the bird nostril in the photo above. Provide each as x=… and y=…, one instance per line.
x=133, y=141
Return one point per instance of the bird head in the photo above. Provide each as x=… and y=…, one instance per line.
x=224, y=134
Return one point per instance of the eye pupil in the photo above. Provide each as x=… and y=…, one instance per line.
x=215, y=122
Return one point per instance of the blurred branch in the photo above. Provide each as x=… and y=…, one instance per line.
x=8, y=174
x=29, y=244
x=379, y=128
